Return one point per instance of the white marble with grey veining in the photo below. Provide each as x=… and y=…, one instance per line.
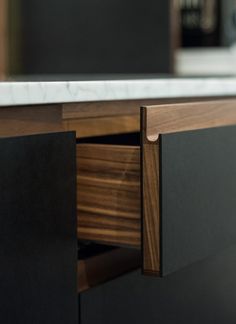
x=26, y=93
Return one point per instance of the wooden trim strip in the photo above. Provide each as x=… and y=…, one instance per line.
x=98, y=109
x=172, y=118
x=28, y=120
x=87, y=127
x=150, y=210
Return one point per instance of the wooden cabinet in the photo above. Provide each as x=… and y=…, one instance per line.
x=164, y=190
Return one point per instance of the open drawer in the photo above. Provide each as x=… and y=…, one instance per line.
x=177, y=202
x=108, y=194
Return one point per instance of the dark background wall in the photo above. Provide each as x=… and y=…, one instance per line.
x=95, y=36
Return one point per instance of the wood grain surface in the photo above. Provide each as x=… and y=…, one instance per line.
x=108, y=194
x=27, y=120
x=151, y=209
x=108, y=117
x=162, y=119
x=87, y=127
x=101, y=118
x=100, y=109
x=97, y=109
x=100, y=268
x=86, y=119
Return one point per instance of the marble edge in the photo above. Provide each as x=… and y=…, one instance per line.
x=28, y=93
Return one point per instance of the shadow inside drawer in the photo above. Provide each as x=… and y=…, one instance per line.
x=120, y=139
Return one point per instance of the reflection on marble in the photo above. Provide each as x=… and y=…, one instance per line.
x=25, y=93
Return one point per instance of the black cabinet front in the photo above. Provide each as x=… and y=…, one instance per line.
x=202, y=293
x=38, y=246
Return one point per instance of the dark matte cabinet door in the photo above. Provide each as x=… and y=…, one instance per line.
x=38, y=247
x=199, y=294
x=198, y=195
x=189, y=184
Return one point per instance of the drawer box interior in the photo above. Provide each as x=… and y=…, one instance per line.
x=108, y=193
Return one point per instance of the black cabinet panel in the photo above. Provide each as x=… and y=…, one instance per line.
x=198, y=190
x=202, y=293
x=38, y=247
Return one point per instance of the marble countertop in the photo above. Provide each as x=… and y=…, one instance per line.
x=27, y=93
